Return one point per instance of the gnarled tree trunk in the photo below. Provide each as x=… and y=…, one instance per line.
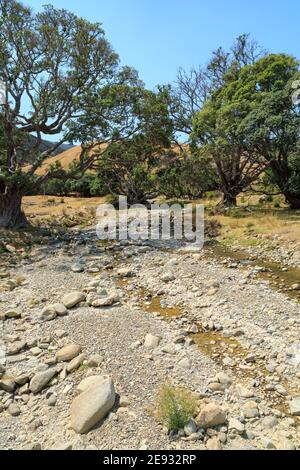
x=229, y=200
x=11, y=214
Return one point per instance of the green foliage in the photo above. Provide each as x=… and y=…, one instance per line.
x=187, y=175
x=250, y=124
x=176, y=407
x=49, y=62
x=128, y=166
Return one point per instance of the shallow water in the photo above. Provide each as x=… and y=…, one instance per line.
x=279, y=277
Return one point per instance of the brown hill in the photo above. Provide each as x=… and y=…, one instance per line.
x=67, y=158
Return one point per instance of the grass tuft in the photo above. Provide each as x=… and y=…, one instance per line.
x=176, y=407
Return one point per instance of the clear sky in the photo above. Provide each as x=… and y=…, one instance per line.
x=158, y=36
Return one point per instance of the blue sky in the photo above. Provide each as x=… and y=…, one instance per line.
x=158, y=36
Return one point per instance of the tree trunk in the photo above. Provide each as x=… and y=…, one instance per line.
x=229, y=200
x=293, y=201
x=11, y=214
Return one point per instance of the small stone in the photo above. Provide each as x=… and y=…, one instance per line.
x=10, y=248
x=124, y=401
x=244, y=392
x=286, y=444
x=168, y=277
x=62, y=446
x=14, y=410
x=250, y=410
x=48, y=313
x=185, y=363
x=68, y=353
x=124, y=272
x=213, y=444
x=22, y=379
x=211, y=415
x=236, y=425
x=16, y=347
x=190, y=428
x=12, y=314
x=151, y=341
x=60, y=309
x=294, y=406
x=41, y=380
x=72, y=299
x=281, y=390
x=35, y=351
x=106, y=301
x=95, y=361
x=268, y=444
x=224, y=379
x=60, y=333
x=7, y=384
x=77, y=268
x=269, y=422
x=52, y=400
x=76, y=363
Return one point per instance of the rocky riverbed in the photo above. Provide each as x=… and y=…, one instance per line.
x=91, y=331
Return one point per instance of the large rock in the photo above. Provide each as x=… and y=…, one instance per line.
x=210, y=416
x=72, y=299
x=92, y=381
x=67, y=353
x=40, y=380
x=92, y=406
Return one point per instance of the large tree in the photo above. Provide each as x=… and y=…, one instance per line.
x=48, y=62
x=251, y=124
x=199, y=113
x=140, y=132
x=194, y=87
x=271, y=129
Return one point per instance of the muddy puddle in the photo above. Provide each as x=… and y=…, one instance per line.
x=281, y=278
x=155, y=304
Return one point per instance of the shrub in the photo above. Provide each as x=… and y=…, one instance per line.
x=176, y=407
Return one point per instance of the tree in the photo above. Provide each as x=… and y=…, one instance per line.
x=48, y=62
x=140, y=130
x=217, y=132
x=251, y=124
x=193, y=88
x=186, y=175
x=272, y=127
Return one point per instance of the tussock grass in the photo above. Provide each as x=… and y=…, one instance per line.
x=176, y=407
